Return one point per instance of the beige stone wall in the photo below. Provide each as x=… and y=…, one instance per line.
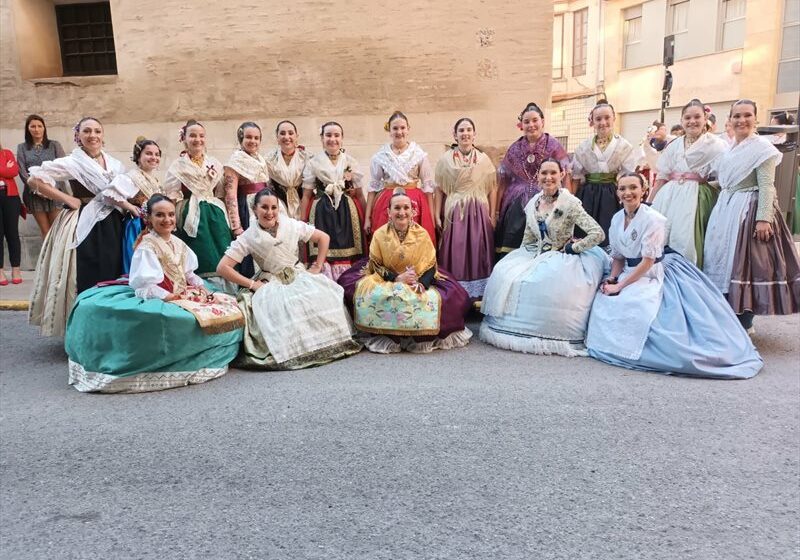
x=308, y=61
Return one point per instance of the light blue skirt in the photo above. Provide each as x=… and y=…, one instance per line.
x=695, y=332
x=548, y=300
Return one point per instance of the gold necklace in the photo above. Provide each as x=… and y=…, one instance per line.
x=688, y=141
x=602, y=142
x=197, y=160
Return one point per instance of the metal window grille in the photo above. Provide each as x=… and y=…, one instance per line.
x=86, y=38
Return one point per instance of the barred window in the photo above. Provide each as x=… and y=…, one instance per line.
x=86, y=38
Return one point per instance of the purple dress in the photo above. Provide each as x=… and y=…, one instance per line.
x=466, y=248
x=518, y=176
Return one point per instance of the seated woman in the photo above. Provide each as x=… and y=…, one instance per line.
x=658, y=312
x=538, y=298
x=399, y=292
x=295, y=317
x=163, y=330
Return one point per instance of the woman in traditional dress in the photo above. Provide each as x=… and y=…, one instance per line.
x=295, y=318
x=749, y=252
x=285, y=164
x=163, y=330
x=401, y=163
x=245, y=175
x=468, y=180
x=202, y=218
x=517, y=177
x=597, y=162
x=399, y=296
x=538, y=298
x=656, y=311
x=132, y=189
x=682, y=193
x=334, y=181
x=37, y=149
x=84, y=245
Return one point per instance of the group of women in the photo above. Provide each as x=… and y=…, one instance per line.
x=277, y=261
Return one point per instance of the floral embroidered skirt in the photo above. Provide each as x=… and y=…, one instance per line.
x=392, y=308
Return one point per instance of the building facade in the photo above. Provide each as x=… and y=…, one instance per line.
x=724, y=50
x=160, y=62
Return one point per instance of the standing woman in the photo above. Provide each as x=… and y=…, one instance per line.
x=10, y=207
x=682, y=192
x=295, y=318
x=401, y=163
x=656, y=312
x=517, y=177
x=334, y=181
x=131, y=190
x=245, y=174
x=202, y=218
x=90, y=224
x=597, y=162
x=749, y=253
x=285, y=164
x=467, y=177
x=37, y=149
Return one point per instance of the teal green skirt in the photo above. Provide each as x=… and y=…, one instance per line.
x=119, y=343
x=213, y=237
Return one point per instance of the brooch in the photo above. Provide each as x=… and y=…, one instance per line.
x=531, y=158
x=634, y=235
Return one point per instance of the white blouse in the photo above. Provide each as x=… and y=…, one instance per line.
x=272, y=254
x=404, y=168
x=146, y=272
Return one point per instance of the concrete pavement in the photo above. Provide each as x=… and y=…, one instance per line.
x=474, y=453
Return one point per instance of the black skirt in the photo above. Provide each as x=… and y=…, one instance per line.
x=246, y=267
x=99, y=257
x=342, y=224
x=510, y=229
x=601, y=203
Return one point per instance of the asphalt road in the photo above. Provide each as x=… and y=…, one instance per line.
x=474, y=453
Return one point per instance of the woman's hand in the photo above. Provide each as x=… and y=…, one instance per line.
x=368, y=226
x=315, y=268
x=172, y=297
x=609, y=288
x=763, y=231
x=131, y=209
x=256, y=285
x=408, y=277
x=238, y=231
x=493, y=220
x=73, y=203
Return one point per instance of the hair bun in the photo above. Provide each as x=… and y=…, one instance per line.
x=140, y=139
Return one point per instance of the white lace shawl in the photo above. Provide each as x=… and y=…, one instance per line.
x=251, y=167
x=404, y=168
x=201, y=180
x=128, y=185
x=738, y=162
x=290, y=175
x=332, y=176
x=84, y=169
x=618, y=157
x=697, y=159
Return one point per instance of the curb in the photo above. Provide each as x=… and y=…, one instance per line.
x=13, y=305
